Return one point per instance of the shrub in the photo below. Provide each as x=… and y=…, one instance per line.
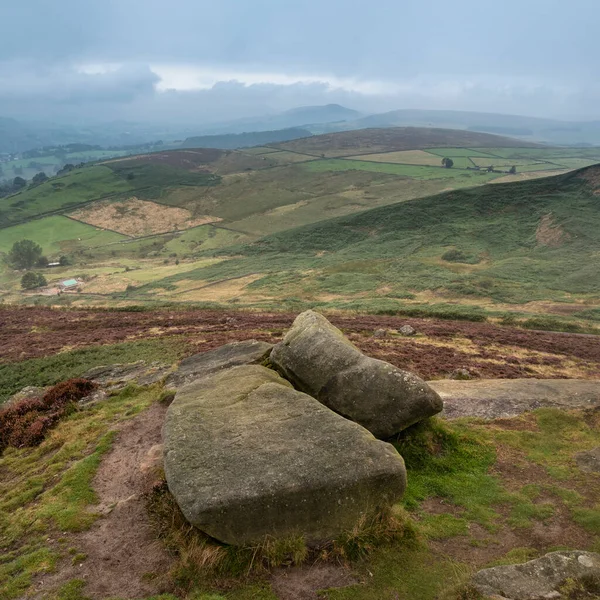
x=27, y=422
x=32, y=280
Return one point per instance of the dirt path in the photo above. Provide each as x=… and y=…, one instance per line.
x=122, y=554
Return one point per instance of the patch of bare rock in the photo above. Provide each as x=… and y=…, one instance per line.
x=503, y=398
x=545, y=578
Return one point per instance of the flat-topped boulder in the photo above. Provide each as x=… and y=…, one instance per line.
x=247, y=456
x=540, y=578
x=319, y=360
x=503, y=398
x=247, y=352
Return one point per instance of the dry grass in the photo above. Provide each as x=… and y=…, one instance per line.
x=135, y=217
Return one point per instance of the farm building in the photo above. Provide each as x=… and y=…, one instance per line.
x=68, y=284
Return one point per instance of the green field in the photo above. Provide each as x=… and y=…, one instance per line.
x=60, y=193
x=458, y=152
x=400, y=249
x=410, y=171
x=362, y=264
x=57, y=234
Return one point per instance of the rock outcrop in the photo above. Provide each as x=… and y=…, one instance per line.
x=246, y=456
x=540, y=578
x=503, y=398
x=248, y=352
x=317, y=358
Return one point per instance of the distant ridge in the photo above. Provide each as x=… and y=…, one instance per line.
x=232, y=141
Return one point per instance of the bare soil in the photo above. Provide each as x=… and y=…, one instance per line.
x=493, y=352
x=550, y=234
x=305, y=583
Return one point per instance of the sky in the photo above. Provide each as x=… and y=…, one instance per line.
x=194, y=61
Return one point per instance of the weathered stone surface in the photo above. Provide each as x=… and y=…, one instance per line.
x=407, y=330
x=235, y=354
x=317, y=358
x=246, y=456
x=589, y=461
x=537, y=579
x=27, y=393
x=501, y=398
x=115, y=377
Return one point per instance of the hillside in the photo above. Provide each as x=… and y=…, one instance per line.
x=519, y=246
x=233, y=141
x=366, y=141
x=160, y=227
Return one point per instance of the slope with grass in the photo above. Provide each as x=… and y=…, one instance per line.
x=222, y=199
x=502, y=245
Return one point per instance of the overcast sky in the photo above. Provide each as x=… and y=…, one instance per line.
x=200, y=61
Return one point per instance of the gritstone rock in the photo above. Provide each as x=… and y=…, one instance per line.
x=317, y=358
x=537, y=579
x=235, y=354
x=248, y=456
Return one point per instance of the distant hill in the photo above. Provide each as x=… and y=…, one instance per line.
x=532, y=128
x=232, y=141
x=303, y=116
x=364, y=141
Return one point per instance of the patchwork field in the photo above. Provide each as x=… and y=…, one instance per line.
x=474, y=253
x=57, y=235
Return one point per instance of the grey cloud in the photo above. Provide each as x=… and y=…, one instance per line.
x=527, y=56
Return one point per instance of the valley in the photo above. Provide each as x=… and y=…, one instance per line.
x=368, y=220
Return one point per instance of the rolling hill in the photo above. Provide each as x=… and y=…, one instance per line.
x=377, y=223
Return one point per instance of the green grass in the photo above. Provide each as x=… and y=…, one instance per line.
x=52, y=369
x=57, y=234
x=60, y=193
x=48, y=490
x=404, y=243
x=412, y=171
x=458, y=152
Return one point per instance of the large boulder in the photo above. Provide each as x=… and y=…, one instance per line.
x=247, y=352
x=540, y=578
x=247, y=456
x=317, y=358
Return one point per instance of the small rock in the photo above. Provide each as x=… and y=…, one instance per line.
x=248, y=352
x=407, y=330
x=96, y=396
x=537, y=579
x=589, y=461
x=380, y=333
x=461, y=374
x=153, y=461
x=27, y=393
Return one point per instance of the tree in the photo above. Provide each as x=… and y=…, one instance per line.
x=64, y=261
x=24, y=254
x=32, y=280
x=19, y=182
x=513, y=170
x=39, y=178
x=448, y=163
x=42, y=262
